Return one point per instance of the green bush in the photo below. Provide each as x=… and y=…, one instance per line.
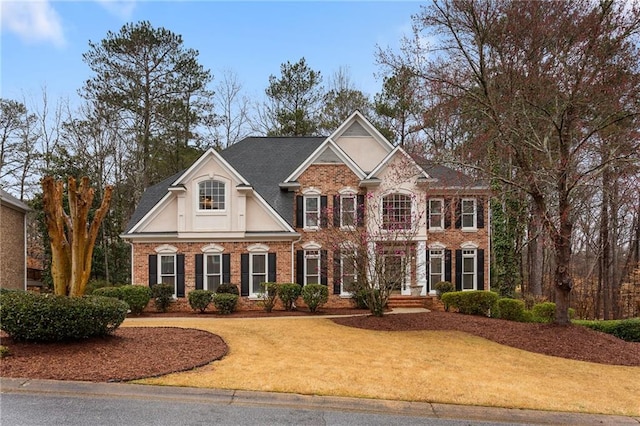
x=544, y=312
x=288, y=294
x=510, y=309
x=93, y=285
x=46, y=317
x=359, y=298
x=315, y=295
x=628, y=329
x=225, y=303
x=136, y=296
x=162, y=296
x=4, y=351
x=443, y=287
x=200, y=300
x=476, y=302
x=268, y=295
x=109, y=291
x=228, y=288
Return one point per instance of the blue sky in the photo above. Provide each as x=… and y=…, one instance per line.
x=43, y=42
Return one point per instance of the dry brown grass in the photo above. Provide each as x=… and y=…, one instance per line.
x=316, y=356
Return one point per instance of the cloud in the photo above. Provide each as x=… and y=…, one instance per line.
x=123, y=9
x=32, y=21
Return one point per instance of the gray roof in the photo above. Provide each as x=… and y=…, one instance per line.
x=265, y=162
x=150, y=198
x=448, y=177
x=9, y=199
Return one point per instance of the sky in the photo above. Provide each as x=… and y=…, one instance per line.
x=42, y=42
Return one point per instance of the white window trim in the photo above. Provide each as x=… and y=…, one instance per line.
x=196, y=198
x=412, y=213
x=442, y=214
x=175, y=270
x=440, y=256
x=304, y=210
x=206, y=272
x=319, y=258
x=475, y=214
x=255, y=294
x=470, y=253
x=344, y=257
x=354, y=197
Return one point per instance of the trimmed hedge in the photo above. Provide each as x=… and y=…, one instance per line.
x=288, y=294
x=443, y=287
x=225, y=303
x=110, y=291
x=228, y=288
x=476, y=302
x=628, y=330
x=510, y=309
x=46, y=317
x=315, y=295
x=162, y=296
x=136, y=296
x=199, y=300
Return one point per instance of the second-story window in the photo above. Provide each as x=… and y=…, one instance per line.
x=347, y=210
x=211, y=195
x=311, y=211
x=468, y=213
x=436, y=213
x=396, y=211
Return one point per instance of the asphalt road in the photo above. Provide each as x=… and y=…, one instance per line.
x=47, y=402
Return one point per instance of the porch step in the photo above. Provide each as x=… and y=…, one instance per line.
x=407, y=302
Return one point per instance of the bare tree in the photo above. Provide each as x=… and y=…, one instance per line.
x=233, y=110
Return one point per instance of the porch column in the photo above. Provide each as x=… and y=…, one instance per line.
x=421, y=266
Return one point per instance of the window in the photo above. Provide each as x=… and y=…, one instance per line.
x=348, y=273
x=396, y=212
x=468, y=269
x=213, y=271
x=436, y=267
x=436, y=214
x=311, y=211
x=468, y=213
x=311, y=267
x=211, y=195
x=258, y=271
x=347, y=210
x=167, y=272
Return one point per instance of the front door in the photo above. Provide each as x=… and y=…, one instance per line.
x=396, y=274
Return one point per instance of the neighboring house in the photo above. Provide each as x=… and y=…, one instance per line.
x=254, y=213
x=13, y=231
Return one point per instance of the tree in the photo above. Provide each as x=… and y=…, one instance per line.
x=158, y=90
x=233, y=107
x=341, y=100
x=294, y=100
x=72, y=235
x=546, y=83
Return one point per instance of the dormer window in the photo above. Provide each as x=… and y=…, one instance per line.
x=211, y=195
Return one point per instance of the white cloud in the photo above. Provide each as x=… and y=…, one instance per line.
x=32, y=21
x=123, y=9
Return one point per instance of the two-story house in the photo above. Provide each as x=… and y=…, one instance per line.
x=257, y=211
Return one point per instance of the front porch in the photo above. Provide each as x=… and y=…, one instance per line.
x=428, y=302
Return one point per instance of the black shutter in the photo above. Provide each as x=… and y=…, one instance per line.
x=426, y=268
x=272, y=268
x=244, y=274
x=337, y=272
x=180, y=275
x=299, y=211
x=153, y=270
x=324, y=220
x=480, y=269
x=336, y=211
x=458, y=270
x=226, y=268
x=300, y=267
x=323, y=268
x=458, y=213
x=480, y=213
x=199, y=271
x=360, y=210
x=427, y=213
x=447, y=265
x=447, y=213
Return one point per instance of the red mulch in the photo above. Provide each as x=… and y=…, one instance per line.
x=137, y=352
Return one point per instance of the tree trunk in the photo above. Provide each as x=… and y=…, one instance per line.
x=536, y=251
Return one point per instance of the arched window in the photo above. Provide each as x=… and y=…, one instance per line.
x=211, y=195
x=396, y=211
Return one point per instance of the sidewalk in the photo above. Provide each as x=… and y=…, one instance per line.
x=243, y=398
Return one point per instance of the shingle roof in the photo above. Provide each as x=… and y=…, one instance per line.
x=150, y=198
x=448, y=177
x=267, y=161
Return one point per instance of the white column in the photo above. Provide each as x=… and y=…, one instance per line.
x=421, y=267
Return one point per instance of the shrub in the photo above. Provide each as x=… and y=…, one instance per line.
x=162, y=296
x=315, y=295
x=477, y=302
x=443, y=287
x=360, y=298
x=546, y=312
x=228, y=288
x=46, y=317
x=225, y=303
x=4, y=351
x=268, y=295
x=200, y=299
x=628, y=330
x=510, y=309
x=136, y=296
x=108, y=292
x=288, y=294
x=93, y=285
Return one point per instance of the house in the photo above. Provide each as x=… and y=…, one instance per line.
x=259, y=210
x=13, y=236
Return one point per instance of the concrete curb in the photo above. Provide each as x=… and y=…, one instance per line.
x=311, y=402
